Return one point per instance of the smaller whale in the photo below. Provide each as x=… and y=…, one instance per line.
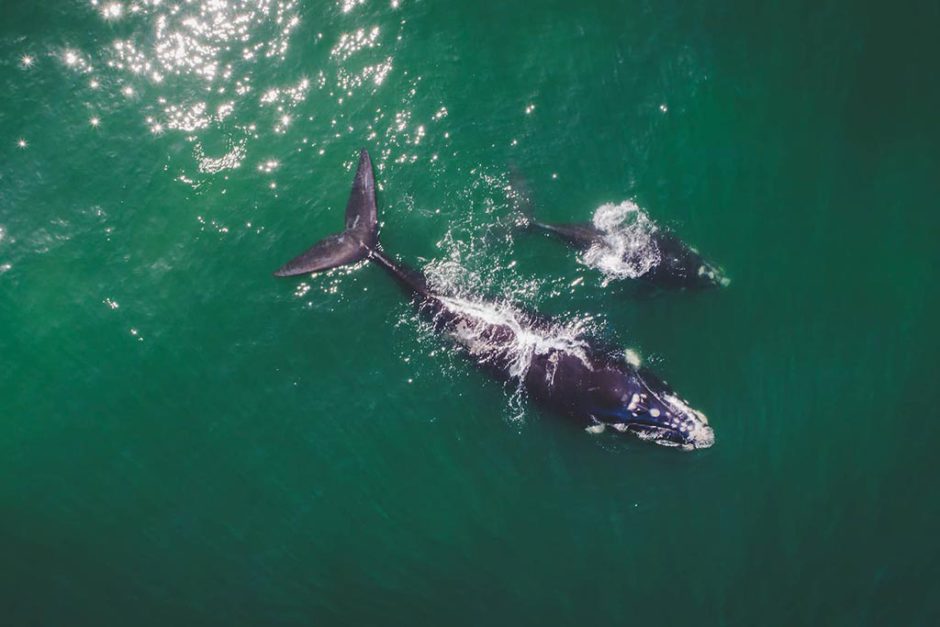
x=624, y=243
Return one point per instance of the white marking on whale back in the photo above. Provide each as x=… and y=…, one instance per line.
x=627, y=248
x=522, y=340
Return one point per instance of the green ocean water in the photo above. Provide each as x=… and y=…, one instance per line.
x=185, y=440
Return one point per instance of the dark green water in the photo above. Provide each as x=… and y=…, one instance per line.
x=185, y=440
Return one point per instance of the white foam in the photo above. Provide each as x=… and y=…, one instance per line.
x=520, y=341
x=627, y=248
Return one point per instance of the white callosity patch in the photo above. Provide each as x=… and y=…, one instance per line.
x=693, y=422
x=714, y=274
x=627, y=248
x=678, y=406
x=701, y=435
x=634, y=402
x=658, y=436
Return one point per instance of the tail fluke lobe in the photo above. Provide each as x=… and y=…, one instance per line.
x=361, y=212
x=356, y=241
x=331, y=252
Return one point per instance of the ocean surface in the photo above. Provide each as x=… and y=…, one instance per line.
x=186, y=440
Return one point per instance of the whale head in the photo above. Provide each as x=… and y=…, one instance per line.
x=635, y=400
x=682, y=266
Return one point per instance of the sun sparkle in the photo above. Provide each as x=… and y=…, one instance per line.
x=112, y=11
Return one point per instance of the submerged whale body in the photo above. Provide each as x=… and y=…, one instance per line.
x=623, y=243
x=564, y=372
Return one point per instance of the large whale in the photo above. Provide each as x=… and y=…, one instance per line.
x=624, y=243
x=566, y=373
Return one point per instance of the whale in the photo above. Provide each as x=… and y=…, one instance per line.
x=594, y=386
x=644, y=251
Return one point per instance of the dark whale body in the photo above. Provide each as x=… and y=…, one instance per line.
x=570, y=375
x=679, y=265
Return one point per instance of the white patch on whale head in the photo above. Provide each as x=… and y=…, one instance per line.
x=627, y=248
x=691, y=421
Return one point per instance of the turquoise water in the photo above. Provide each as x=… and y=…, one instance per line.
x=186, y=440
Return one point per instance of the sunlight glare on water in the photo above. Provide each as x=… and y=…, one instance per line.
x=218, y=68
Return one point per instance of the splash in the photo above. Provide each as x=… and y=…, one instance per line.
x=628, y=248
x=500, y=334
x=496, y=332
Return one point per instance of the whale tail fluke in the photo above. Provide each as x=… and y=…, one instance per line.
x=356, y=242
